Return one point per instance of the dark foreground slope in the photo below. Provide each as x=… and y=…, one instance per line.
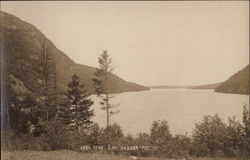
x=22, y=49
x=71, y=155
x=238, y=83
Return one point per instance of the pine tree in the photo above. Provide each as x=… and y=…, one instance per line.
x=103, y=85
x=49, y=85
x=80, y=112
x=48, y=98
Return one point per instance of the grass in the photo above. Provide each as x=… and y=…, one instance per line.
x=71, y=155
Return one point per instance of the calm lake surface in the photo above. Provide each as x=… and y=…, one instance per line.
x=182, y=108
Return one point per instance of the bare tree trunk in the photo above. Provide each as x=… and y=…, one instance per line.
x=107, y=109
x=8, y=119
x=107, y=94
x=77, y=129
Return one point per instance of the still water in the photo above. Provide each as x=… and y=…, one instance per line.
x=182, y=108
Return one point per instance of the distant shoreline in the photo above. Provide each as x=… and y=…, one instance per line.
x=205, y=86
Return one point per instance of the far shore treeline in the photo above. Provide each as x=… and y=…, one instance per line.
x=41, y=112
x=236, y=84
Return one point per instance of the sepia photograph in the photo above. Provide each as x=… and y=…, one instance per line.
x=124, y=80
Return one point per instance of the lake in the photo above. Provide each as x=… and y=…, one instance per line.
x=182, y=108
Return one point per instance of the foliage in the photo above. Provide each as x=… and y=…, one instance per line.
x=182, y=145
x=161, y=137
x=246, y=133
x=112, y=135
x=209, y=136
x=80, y=112
x=94, y=136
x=213, y=137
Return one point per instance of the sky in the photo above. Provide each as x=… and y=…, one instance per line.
x=151, y=43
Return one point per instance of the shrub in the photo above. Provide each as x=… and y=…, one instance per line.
x=112, y=135
x=161, y=137
x=209, y=136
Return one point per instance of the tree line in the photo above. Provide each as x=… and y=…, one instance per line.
x=49, y=112
x=210, y=138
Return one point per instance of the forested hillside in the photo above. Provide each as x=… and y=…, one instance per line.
x=238, y=83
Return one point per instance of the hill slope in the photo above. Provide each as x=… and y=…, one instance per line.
x=22, y=50
x=238, y=83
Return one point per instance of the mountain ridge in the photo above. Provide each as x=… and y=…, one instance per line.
x=22, y=51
